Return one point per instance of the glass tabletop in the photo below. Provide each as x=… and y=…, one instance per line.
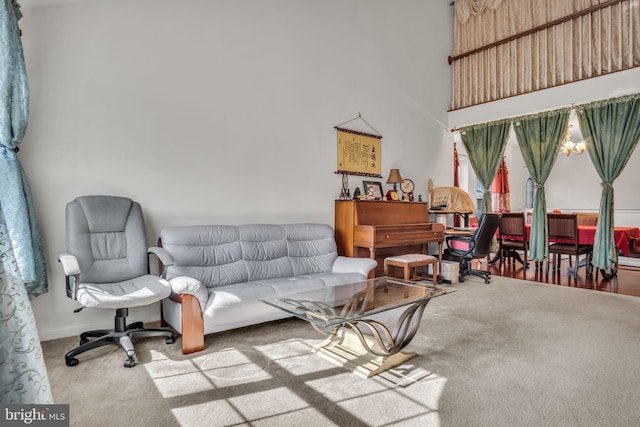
x=335, y=305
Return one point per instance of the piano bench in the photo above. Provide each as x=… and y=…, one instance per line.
x=409, y=262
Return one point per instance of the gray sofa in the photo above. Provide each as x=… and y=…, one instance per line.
x=219, y=273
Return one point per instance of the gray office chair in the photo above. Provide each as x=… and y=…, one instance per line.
x=107, y=266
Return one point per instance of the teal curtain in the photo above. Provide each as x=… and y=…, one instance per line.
x=485, y=144
x=23, y=374
x=15, y=195
x=611, y=130
x=539, y=137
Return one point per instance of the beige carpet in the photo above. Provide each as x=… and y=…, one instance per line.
x=512, y=353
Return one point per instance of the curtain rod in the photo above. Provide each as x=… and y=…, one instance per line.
x=571, y=107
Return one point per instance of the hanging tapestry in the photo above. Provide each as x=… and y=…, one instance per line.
x=358, y=152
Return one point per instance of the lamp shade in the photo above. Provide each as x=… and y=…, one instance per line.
x=394, y=177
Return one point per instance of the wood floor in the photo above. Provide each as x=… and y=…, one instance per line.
x=626, y=282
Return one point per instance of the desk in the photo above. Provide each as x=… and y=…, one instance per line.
x=462, y=231
x=622, y=236
x=464, y=215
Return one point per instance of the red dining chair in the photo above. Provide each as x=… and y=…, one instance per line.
x=563, y=240
x=634, y=247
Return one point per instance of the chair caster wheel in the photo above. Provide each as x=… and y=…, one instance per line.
x=129, y=363
x=170, y=340
x=72, y=362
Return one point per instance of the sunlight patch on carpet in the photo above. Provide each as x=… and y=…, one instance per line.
x=234, y=365
x=406, y=393
x=384, y=404
x=295, y=356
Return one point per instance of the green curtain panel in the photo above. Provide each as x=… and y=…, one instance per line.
x=539, y=137
x=611, y=130
x=485, y=144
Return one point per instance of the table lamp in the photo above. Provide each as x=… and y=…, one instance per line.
x=394, y=178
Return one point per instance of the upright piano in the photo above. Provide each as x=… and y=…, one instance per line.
x=378, y=229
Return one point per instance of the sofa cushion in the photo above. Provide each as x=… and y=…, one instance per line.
x=264, y=248
x=239, y=304
x=311, y=247
x=223, y=255
x=209, y=253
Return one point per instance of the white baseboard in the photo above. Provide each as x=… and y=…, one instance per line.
x=632, y=262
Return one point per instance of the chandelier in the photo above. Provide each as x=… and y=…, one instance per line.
x=569, y=147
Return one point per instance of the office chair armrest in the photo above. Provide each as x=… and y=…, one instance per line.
x=165, y=259
x=71, y=269
x=70, y=264
x=462, y=239
x=163, y=255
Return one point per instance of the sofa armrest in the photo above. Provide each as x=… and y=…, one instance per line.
x=192, y=324
x=354, y=265
x=182, y=285
x=193, y=296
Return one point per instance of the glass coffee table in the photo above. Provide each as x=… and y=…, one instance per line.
x=355, y=341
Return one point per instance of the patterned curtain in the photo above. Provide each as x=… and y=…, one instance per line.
x=467, y=8
x=518, y=46
x=611, y=130
x=539, y=137
x=485, y=144
x=15, y=195
x=23, y=374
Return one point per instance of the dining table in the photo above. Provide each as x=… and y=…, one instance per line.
x=623, y=237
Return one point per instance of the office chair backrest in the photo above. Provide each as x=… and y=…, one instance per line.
x=106, y=234
x=512, y=224
x=484, y=235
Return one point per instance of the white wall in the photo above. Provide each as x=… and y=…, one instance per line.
x=217, y=111
x=573, y=185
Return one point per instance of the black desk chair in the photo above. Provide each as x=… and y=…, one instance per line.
x=476, y=246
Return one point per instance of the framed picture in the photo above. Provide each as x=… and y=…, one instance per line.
x=372, y=188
